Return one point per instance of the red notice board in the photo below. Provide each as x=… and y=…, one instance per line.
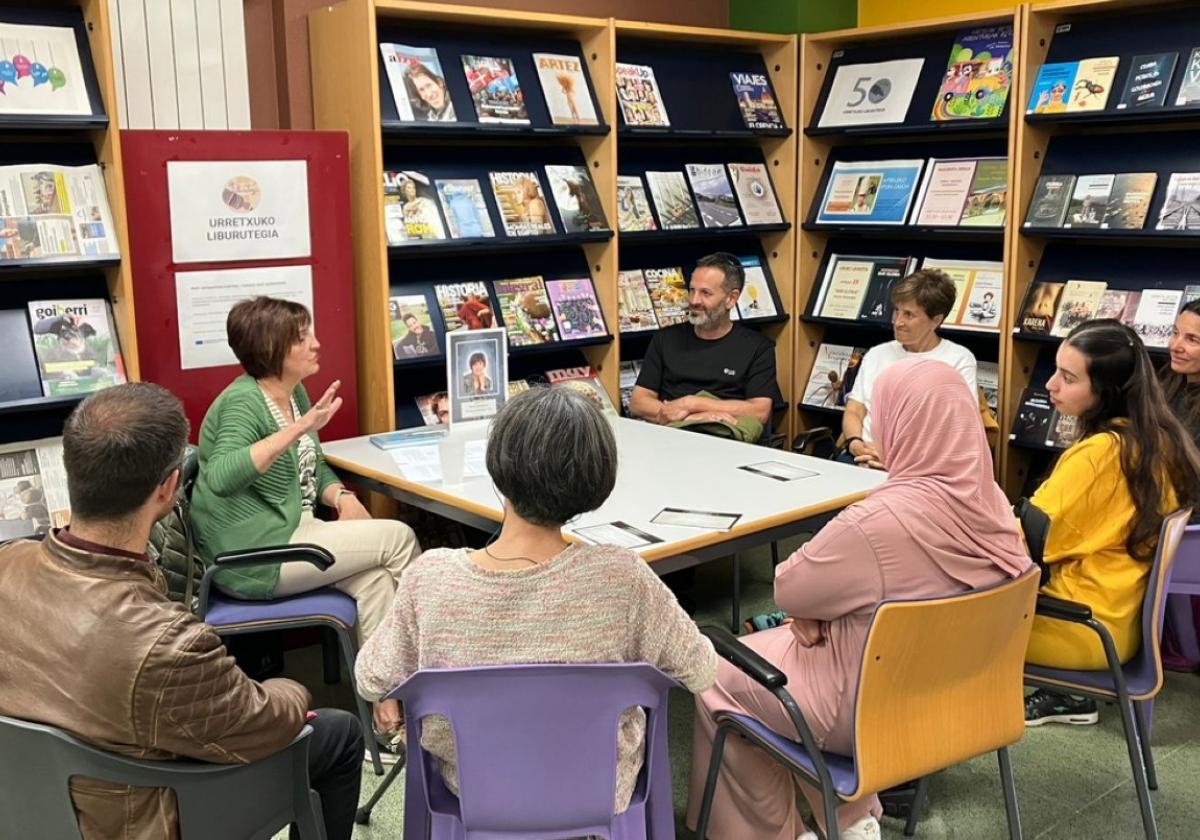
x=146, y=154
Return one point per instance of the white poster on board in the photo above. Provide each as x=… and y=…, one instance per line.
x=238, y=210
x=203, y=300
x=871, y=94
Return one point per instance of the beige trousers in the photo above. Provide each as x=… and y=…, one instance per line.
x=369, y=555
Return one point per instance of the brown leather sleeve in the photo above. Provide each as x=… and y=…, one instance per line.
x=191, y=699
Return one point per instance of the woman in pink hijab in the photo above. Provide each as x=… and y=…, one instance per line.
x=938, y=526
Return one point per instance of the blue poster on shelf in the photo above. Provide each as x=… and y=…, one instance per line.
x=870, y=192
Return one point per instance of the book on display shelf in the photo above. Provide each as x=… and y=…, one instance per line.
x=565, y=88
x=844, y=287
x=1190, y=293
x=672, y=200
x=1132, y=302
x=411, y=327
x=465, y=209
x=522, y=204
x=1052, y=88
x=639, y=97
x=987, y=199
x=629, y=375
x=871, y=94
x=1032, y=425
x=1181, y=208
x=1154, y=319
x=668, y=293
x=755, y=194
x=582, y=380
x=1078, y=303
x=987, y=375
x=714, y=195
x=1094, y=79
x=832, y=376
x=410, y=208
x=1189, y=88
x=870, y=192
x=20, y=375
x=76, y=346
x=944, y=191
x=756, y=300
x=1129, y=202
x=33, y=489
x=418, y=83
x=465, y=306
x=1111, y=305
x=1051, y=199
x=979, y=292
x=635, y=309
x=1041, y=304
x=633, y=207
x=495, y=90
x=576, y=199
x=1062, y=430
x=576, y=308
x=1149, y=78
x=525, y=309
x=416, y=436
x=434, y=408
x=978, y=75
x=1089, y=202
x=756, y=101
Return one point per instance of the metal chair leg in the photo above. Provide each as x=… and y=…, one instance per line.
x=1141, y=716
x=363, y=815
x=914, y=813
x=735, y=620
x=832, y=832
x=1010, y=794
x=1133, y=744
x=710, y=783
x=364, y=708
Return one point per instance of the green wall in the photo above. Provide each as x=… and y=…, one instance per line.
x=787, y=16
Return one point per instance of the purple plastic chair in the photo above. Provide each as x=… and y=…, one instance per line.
x=537, y=750
x=1133, y=685
x=1185, y=582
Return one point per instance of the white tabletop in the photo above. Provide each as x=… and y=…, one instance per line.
x=659, y=467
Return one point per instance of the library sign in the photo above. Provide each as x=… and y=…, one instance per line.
x=223, y=211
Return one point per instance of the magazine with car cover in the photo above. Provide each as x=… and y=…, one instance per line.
x=1041, y=304
x=1181, y=208
x=1189, y=88
x=1093, y=84
x=755, y=194
x=668, y=293
x=522, y=204
x=576, y=308
x=525, y=311
x=418, y=83
x=886, y=272
x=1112, y=304
x=582, y=380
x=33, y=489
x=76, y=346
x=756, y=100
x=495, y=89
x=1051, y=197
x=832, y=376
x=1077, y=304
x=1032, y=425
x=987, y=376
x=575, y=196
x=466, y=212
x=639, y=97
x=1155, y=316
x=1148, y=81
x=465, y=306
x=871, y=94
x=944, y=191
x=565, y=87
x=635, y=310
x=1089, y=201
x=978, y=75
x=870, y=192
x=411, y=327
x=672, y=200
x=847, y=281
x=756, y=300
x=1052, y=88
x=55, y=213
x=987, y=202
x=1129, y=202
x=410, y=208
x=714, y=195
x=633, y=207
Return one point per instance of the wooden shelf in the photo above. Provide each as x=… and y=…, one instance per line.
x=486, y=131
x=882, y=327
x=52, y=266
x=959, y=233
x=1158, y=118
x=496, y=244
x=53, y=124
x=1037, y=338
x=40, y=404
x=667, y=134
x=925, y=131
x=1116, y=236
x=640, y=236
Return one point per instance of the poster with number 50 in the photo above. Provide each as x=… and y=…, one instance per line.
x=871, y=94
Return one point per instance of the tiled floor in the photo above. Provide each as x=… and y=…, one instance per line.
x=1072, y=782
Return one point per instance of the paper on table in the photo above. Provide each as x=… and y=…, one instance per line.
x=616, y=533
x=778, y=470
x=422, y=463
x=696, y=519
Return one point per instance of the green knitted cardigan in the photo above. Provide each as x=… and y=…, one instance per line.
x=233, y=506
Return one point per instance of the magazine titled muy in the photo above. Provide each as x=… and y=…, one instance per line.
x=54, y=212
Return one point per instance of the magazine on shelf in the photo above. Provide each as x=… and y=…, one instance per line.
x=714, y=195
x=871, y=94
x=755, y=194
x=465, y=306
x=668, y=293
x=1093, y=83
x=1089, y=201
x=522, y=203
x=870, y=192
x=517, y=386
x=582, y=380
x=832, y=376
x=76, y=346
x=979, y=292
x=1051, y=198
x=576, y=308
x=20, y=377
x=410, y=209
x=33, y=488
x=987, y=200
x=525, y=310
x=844, y=287
x=1129, y=201
x=1155, y=316
x=886, y=272
x=1189, y=88
x=1052, y=88
x=978, y=75
x=1063, y=430
x=1190, y=293
x=412, y=327
x=755, y=100
x=576, y=199
x=629, y=374
x=44, y=75
x=495, y=89
x=1131, y=306
x=434, y=408
x=1181, y=208
x=635, y=309
x=672, y=200
x=756, y=300
x=1078, y=303
x=54, y=212
x=1148, y=81
x=565, y=87
x=1032, y=425
x=418, y=83
x=466, y=212
x=639, y=97
x=633, y=207
x=1112, y=304
x=944, y=191
x=987, y=376
x=1041, y=304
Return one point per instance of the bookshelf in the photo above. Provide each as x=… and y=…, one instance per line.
x=73, y=141
x=1112, y=140
x=918, y=136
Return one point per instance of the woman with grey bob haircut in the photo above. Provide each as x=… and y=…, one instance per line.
x=531, y=596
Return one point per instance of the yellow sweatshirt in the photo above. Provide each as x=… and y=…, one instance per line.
x=1091, y=512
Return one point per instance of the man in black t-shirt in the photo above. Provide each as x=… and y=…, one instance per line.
x=733, y=363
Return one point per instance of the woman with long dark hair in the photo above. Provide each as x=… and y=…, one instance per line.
x=1181, y=376
x=1133, y=463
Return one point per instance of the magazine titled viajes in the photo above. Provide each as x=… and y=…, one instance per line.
x=54, y=212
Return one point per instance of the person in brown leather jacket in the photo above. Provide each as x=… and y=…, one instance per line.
x=93, y=646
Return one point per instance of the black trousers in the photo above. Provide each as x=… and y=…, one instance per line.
x=335, y=759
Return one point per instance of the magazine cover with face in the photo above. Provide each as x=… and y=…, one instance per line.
x=76, y=346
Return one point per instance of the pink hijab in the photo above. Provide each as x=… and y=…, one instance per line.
x=940, y=486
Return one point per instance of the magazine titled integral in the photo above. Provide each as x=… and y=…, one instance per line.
x=525, y=310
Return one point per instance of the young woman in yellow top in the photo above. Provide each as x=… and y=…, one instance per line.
x=1106, y=499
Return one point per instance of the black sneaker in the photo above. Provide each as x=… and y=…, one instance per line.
x=1051, y=707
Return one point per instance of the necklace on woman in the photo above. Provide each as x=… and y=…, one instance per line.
x=509, y=559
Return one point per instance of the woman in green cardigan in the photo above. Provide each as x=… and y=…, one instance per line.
x=262, y=473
